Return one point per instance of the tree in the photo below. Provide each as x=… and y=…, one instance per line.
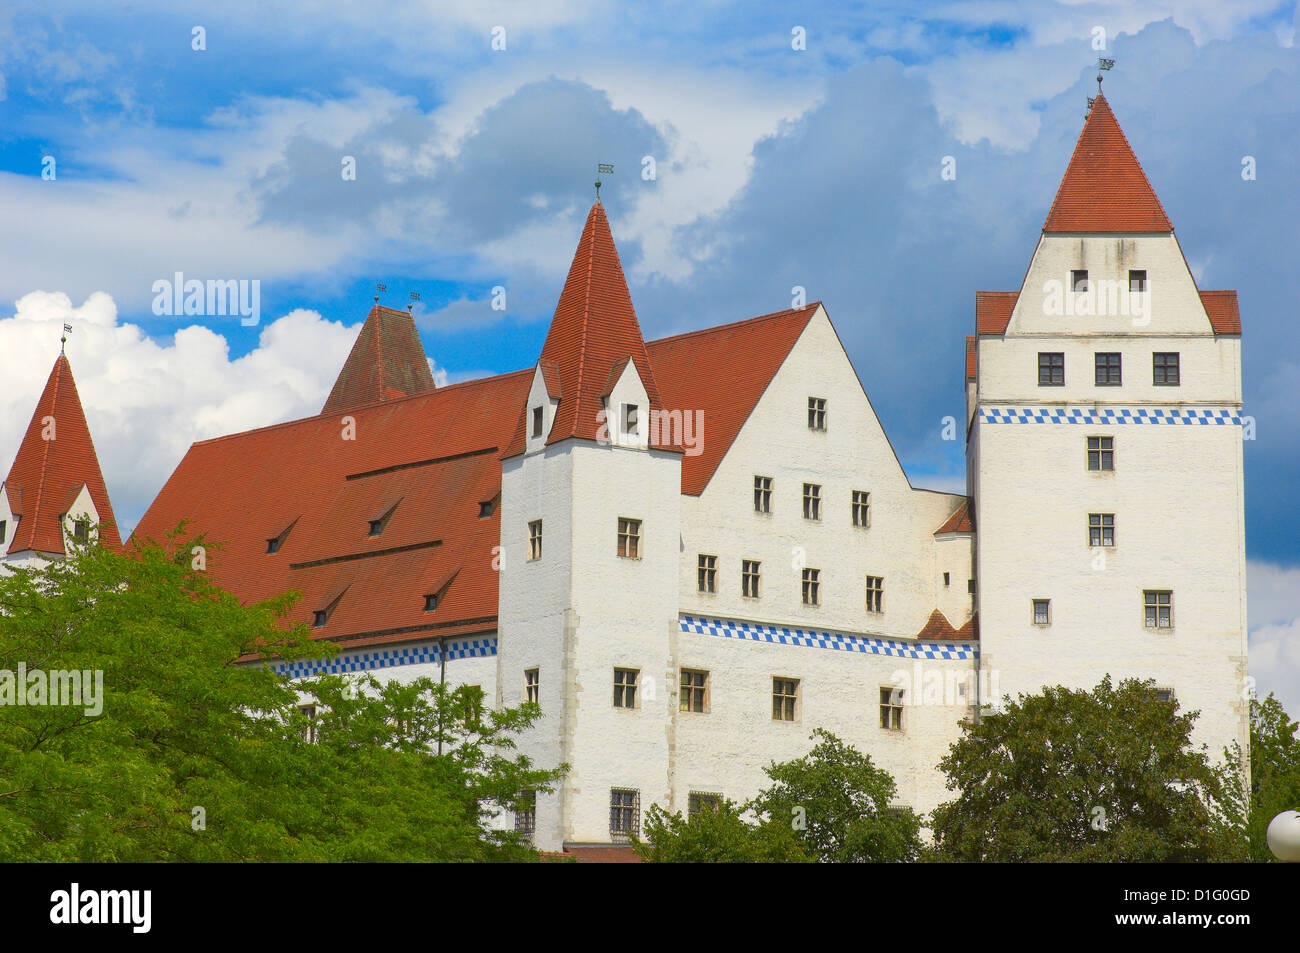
x=1072, y=775
x=720, y=836
x=1274, y=772
x=193, y=757
x=838, y=803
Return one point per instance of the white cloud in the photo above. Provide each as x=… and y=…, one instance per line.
x=1273, y=605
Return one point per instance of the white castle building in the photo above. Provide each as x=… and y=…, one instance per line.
x=691, y=552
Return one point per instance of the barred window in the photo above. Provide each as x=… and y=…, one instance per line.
x=694, y=690
x=861, y=508
x=629, y=538
x=624, y=814
x=812, y=587
x=1042, y=612
x=785, y=694
x=1051, y=368
x=875, y=594
x=891, y=708
x=534, y=540
x=812, y=501
x=308, y=732
x=533, y=685
x=762, y=494
x=749, y=578
x=707, y=574
x=625, y=682
x=1159, y=608
x=816, y=413
x=1101, y=453
x=698, y=801
x=1101, y=529
x=526, y=815
x=1108, y=369
x=1164, y=368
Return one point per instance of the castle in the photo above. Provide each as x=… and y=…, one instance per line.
x=693, y=551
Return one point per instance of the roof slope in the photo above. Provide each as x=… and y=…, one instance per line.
x=1104, y=188
x=47, y=474
x=993, y=311
x=1221, y=306
x=386, y=361
x=961, y=520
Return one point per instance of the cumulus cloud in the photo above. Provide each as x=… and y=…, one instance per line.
x=1273, y=603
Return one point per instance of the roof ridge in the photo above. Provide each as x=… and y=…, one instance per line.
x=735, y=324
x=57, y=375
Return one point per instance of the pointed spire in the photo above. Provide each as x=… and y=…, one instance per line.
x=55, y=459
x=593, y=330
x=1104, y=188
x=386, y=361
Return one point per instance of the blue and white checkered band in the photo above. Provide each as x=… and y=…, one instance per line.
x=818, y=639
x=1108, y=415
x=365, y=661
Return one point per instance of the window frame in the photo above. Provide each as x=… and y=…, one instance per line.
x=1046, y=619
x=534, y=540
x=1151, y=601
x=539, y=420
x=878, y=591
x=748, y=575
x=785, y=703
x=706, y=574
x=629, y=538
x=692, y=687
x=1161, y=368
x=817, y=414
x=1105, y=451
x=625, y=690
x=533, y=685
x=627, y=802
x=1097, y=530
x=1139, y=275
x=1099, y=367
x=812, y=502
x=860, y=508
x=893, y=701
x=762, y=495
x=811, y=590
x=1055, y=362
x=1074, y=281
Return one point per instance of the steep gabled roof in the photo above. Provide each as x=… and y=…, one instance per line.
x=961, y=520
x=386, y=361
x=48, y=474
x=938, y=627
x=1221, y=306
x=1104, y=188
x=993, y=311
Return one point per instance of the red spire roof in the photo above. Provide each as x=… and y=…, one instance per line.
x=387, y=361
x=48, y=474
x=1104, y=188
x=593, y=330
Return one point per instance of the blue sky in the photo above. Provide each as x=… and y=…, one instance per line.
x=775, y=167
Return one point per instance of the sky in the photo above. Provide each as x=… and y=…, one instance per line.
x=758, y=148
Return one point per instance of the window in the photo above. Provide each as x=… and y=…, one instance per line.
x=1165, y=694
x=534, y=540
x=1051, y=368
x=876, y=594
x=526, y=815
x=694, y=690
x=624, y=813
x=1101, y=453
x=486, y=507
x=970, y=586
x=537, y=421
x=629, y=538
x=1159, y=608
x=376, y=527
x=1101, y=529
x=811, y=587
x=1137, y=280
x=533, y=685
x=812, y=501
x=708, y=573
x=816, y=413
x=625, y=682
x=698, y=801
x=945, y=580
x=1108, y=369
x=4, y=524
x=629, y=419
x=1164, y=368
x=749, y=578
x=785, y=693
x=1042, y=612
x=430, y=602
x=319, y=618
x=273, y=545
x=891, y=708
x=1079, y=280
x=81, y=529
x=309, y=731
x=762, y=494
x=861, y=508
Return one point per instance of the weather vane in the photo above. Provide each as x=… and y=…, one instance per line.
x=67, y=329
x=1103, y=65
x=602, y=168
x=414, y=296
x=379, y=289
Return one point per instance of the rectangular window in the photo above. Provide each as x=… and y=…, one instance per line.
x=749, y=578
x=816, y=413
x=698, y=801
x=891, y=708
x=1108, y=369
x=624, y=814
x=708, y=573
x=4, y=525
x=1051, y=368
x=1164, y=368
x=625, y=682
x=537, y=421
x=1165, y=694
x=1101, y=529
x=1137, y=280
x=431, y=602
x=308, y=732
x=1079, y=279
x=629, y=419
x=1042, y=612
x=876, y=594
x=526, y=815
x=1101, y=453
x=861, y=508
x=762, y=494
x=1159, y=608
x=535, y=540
x=694, y=690
x=533, y=686
x=945, y=580
x=812, y=501
x=629, y=538
x=785, y=694
x=811, y=587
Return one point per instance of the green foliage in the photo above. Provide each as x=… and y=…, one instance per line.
x=196, y=758
x=838, y=803
x=1274, y=772
x=1105, y=775
x=719, y=836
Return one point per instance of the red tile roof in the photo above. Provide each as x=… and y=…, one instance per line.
x=1221, y=306
x=993, y=311
x=971, y=363
x=961, y=520
x=938, y=627
x=47, y=475
x=386, y=361
x=1104, y=188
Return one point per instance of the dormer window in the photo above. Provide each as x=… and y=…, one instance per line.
x=430, y=602
x=273, y=545
x=81, y=530
x=537, y=421
x=486, y=507
x=376, y=527
x=319, y=618
x=4, y=529
x=378, y=524
x=629, y=419
x=1079, y=280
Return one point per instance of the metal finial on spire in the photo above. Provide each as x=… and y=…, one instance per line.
x=410, y=306
x=379, y=289
x=67, y=329
x=602, y=168
x=1102, y=65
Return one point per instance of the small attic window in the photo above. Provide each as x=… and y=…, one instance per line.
x=486, y=507
x=273, y=545
x=430, y=602
x=1137, y=280
x=81, y=530
x=537, y=421
x=629, y=419
x=4, y=528
x=376, y=527
x=319, y=618
x=1079, y=280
